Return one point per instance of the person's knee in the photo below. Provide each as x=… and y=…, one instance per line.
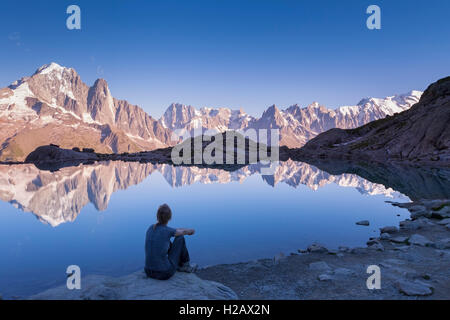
x=179, y=239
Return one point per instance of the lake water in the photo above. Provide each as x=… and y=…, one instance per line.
x=96, y=216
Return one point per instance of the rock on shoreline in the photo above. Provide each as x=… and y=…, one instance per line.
x=414, y=261
x=136, y=286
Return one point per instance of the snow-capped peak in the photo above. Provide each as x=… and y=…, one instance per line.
x=314, y=105
x=416, y=93
x=51, y=67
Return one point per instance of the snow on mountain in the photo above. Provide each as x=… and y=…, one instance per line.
x=55, y=106
x=297, y=125
x=370, y=109
x=188, y=118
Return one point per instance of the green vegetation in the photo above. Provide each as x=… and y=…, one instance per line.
x=439, y=208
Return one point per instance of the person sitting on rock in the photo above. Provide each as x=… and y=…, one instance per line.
x=163, y=257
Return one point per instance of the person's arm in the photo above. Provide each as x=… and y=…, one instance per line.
x=184, y=232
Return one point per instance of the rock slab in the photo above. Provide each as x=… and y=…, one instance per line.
x=414, y=288
x=137, y=286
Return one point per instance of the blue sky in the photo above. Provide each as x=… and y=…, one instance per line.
x=233, y=53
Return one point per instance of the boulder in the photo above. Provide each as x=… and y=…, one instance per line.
x=401, y=248
x=414, y=288
x=372, y=241
x=385, y=236
x=443, y=214
x=55, y=154
x=417, y=208
x=442, y=244
x=389, y=229
x=319, y=266
x=137, y=286
x=419, y=223
x=344, y=272
x=419, y=240
x=376, y=246
x=325, y=277
x=317, y=247
x=440, y=209
x=444, y=221
x=399, y=239
x=419, y=214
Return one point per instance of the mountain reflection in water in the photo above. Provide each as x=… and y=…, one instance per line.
x=58, y=197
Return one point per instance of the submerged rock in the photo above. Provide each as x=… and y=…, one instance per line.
x=137, y=286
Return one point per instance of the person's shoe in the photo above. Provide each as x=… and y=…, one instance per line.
x=188, y=267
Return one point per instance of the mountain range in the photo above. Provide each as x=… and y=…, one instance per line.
x=420, y=134
x=55, y=106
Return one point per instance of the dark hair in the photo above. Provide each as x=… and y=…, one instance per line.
x=163, y=215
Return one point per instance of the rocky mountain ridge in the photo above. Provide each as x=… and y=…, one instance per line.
x=55, y=106
x=420, y=134
x=297, y=124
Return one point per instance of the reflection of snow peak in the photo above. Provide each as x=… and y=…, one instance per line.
x=57, y=197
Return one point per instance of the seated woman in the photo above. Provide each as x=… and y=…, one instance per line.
x=162, y=257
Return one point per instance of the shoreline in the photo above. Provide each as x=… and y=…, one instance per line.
x=414, y=261
x=52, y=157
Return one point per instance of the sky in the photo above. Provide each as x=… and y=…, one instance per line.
x=246, y=54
